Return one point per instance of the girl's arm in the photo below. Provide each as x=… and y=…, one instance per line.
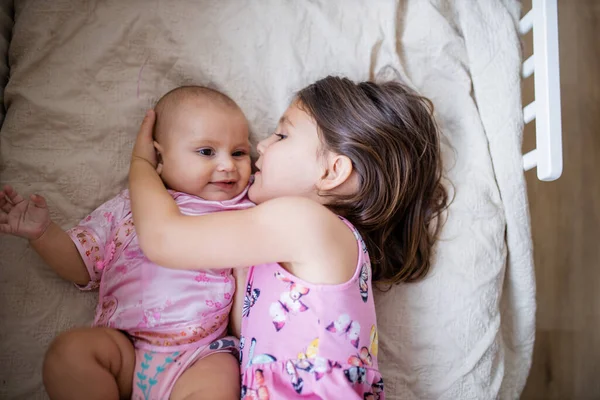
x=262, y=234
x=295, y=231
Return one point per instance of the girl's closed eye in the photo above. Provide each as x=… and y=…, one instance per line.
x=206, y=151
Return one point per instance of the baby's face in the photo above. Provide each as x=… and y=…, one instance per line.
x=205, y=151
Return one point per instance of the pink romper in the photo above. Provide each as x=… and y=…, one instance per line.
x=307, y=341
x=173, y=317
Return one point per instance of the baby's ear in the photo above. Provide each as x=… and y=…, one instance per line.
x=157, y=147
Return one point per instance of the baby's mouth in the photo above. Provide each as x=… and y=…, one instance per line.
x=224, y=184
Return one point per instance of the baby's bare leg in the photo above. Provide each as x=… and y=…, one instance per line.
x=89, y=363
x=214, y=377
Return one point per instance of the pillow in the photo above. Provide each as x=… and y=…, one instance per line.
x=84, y=72
x=82, y=75
x=6, y=25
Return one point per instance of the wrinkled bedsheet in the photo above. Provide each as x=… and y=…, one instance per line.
x=82, y=74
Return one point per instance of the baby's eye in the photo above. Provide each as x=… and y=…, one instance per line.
x=239, y=153
x=281, y=136
x=206, y=152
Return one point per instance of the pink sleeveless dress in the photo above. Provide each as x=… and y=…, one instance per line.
x=307, y=341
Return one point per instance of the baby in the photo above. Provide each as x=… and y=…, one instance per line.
x=158, y=333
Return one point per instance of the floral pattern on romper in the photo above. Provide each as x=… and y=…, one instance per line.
x=174, y=317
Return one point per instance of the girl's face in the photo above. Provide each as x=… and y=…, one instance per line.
x=289, y=162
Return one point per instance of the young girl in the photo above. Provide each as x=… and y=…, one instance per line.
x=351, y=170
x=158, y=333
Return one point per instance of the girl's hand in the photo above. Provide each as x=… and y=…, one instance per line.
x=144, y=144
x=28, y=219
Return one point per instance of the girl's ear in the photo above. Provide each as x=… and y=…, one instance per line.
x=338, y=172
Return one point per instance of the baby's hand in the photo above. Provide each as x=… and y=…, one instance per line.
x=20, y=217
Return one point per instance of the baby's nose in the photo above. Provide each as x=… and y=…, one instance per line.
x=226, y=164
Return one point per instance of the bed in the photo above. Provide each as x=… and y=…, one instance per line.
x=78, y=75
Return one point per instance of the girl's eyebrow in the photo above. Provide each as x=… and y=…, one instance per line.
x=284, y=120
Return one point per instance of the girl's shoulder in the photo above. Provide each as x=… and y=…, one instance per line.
x=330, y=240
x=300, y=210
x=307, y=220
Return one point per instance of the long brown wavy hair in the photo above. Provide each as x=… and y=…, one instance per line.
x=390, y=135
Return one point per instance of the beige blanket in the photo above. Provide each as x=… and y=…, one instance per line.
x=83, y=72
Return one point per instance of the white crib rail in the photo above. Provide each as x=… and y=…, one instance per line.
x=545, y=109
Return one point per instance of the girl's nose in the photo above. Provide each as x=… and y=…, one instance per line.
x=262, y=145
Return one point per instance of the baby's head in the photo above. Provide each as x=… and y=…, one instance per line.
x=202, y=142
x=369, y=152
